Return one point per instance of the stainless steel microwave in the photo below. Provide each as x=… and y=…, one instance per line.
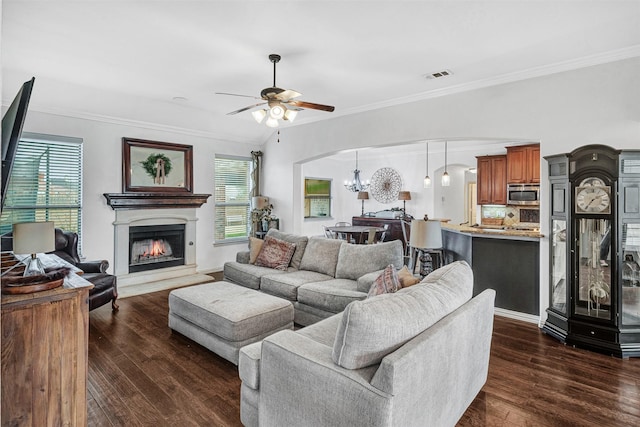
x=523, y=194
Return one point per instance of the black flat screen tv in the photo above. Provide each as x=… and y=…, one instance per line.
x=12, y=123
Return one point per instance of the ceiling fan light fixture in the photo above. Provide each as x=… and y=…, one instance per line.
x=271, y=122
x=290, y=115
x=276, y=112
x=259, y=115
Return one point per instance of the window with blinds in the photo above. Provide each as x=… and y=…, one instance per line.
x=45, y=183
x=232, y=198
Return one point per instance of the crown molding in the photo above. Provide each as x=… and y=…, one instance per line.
x=141, y=124
x=544, y=70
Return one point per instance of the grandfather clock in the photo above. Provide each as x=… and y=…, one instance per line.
x=595, y=249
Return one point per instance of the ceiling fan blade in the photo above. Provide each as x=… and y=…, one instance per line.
x=311, y=105
x=235, y=94
x=245, y=108
x=287, y=94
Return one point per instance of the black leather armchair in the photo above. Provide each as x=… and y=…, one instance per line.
x=105, y=287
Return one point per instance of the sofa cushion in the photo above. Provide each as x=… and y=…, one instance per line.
x=321, y=255
x=357, y=260
x=364, y=336
x=275, y=253
x=255, y=245
x=286, y=285
x=247, y=275
x=331, y=295
x=299, y=241
x=386, y=283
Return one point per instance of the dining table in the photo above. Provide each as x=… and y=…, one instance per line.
x=355, y=233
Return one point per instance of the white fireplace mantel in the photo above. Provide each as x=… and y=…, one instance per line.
x=126, y=218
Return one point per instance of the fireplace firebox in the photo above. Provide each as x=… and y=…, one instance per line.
x=156, y=246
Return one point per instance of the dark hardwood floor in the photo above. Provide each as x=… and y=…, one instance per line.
x=142, y=374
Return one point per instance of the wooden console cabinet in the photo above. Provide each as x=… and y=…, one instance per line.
x=44, y=358
x=492, y=180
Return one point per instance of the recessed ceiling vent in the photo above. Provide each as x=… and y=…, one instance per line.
x=439, y=74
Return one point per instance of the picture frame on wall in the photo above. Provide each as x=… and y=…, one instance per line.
x=156, y=167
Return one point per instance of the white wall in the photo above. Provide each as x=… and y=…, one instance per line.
x=103, y=174
x=594, y=105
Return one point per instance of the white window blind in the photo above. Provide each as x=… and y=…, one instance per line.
x=232, y=198
x=45, y=183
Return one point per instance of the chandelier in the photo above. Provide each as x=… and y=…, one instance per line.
x=355, y=184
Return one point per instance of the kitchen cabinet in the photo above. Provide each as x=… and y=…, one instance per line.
x=492, y=180
x=508, y=264
x=523, y=164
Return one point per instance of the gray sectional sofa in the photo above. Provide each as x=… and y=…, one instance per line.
x=417, y=357
x=323, y=277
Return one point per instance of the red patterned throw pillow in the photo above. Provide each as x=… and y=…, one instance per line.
x=275, y=253
x=386, y=283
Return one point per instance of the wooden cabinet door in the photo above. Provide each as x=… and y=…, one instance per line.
x=485, y=181
x=499, y=184
x=534, y=164
x=523, y=164
x=492, y=180
x=517, y=165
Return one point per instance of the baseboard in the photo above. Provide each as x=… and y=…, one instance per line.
x=529, y=318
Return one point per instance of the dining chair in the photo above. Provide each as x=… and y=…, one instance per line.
x=371, y=238
x=328, y=233
x=406, y=229
x=343, y=236
x=383, y=235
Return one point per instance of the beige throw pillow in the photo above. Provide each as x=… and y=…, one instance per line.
x=406, y=278
x=255, y=245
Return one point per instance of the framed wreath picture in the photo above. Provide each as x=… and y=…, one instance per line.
x=156, y=167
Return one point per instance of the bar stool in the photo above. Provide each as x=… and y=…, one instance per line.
x=426, y=236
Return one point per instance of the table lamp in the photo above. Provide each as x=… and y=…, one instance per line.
x=426, y=235
x=33, y=238
x=363, y=195
x=259, y=202
x=404, y=196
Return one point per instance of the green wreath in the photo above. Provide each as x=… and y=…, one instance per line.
x=149, y=165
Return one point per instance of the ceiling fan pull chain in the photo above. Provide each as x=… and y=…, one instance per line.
x=278, y=136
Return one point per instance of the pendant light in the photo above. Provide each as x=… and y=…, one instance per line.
x=427, y=179
x=446, y=180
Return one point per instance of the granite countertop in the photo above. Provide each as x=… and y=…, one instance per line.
x=492, y=232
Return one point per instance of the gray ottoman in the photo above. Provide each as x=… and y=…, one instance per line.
x=224, y=317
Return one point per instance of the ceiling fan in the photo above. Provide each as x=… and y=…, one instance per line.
x=281, y=102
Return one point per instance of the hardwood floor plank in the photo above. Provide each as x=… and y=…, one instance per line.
x=140, y=373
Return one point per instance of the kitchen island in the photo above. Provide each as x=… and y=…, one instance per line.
x=502, y=259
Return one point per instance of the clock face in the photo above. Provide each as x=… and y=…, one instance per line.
x=593, y=198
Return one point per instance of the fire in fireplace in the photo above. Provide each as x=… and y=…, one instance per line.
x=156, y=246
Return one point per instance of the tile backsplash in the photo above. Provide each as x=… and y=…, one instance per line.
x=512, y=215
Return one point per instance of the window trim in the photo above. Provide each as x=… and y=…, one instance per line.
x=216, y=204
x=328, y=197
